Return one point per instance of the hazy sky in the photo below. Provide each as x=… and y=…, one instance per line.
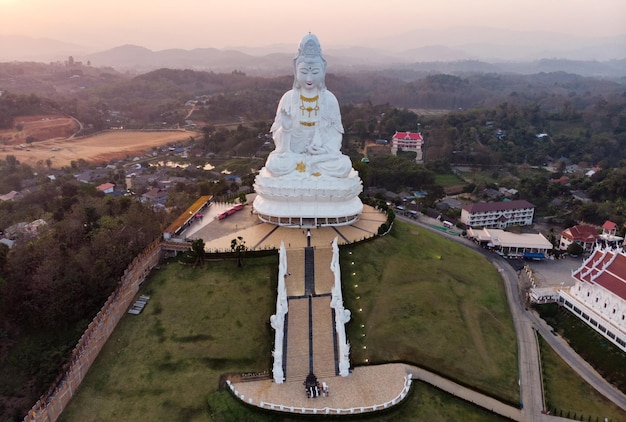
x=159, y=24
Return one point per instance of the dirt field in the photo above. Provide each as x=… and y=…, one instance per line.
x=53, y=137
x=98, y=148
x=38, y=128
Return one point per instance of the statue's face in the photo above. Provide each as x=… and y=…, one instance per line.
x=310, y=75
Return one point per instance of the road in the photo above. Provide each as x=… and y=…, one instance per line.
x=527, y=324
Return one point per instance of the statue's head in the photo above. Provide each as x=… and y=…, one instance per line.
x=309, y=53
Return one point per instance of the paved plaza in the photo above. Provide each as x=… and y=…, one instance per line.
x=555, y=273
x=218, y=234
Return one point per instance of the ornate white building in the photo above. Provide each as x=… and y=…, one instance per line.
x=408, y=141
x=598, y=296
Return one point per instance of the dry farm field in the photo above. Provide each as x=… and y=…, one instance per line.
x=51, y=138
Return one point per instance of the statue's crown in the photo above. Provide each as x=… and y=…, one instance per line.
x=310, y=46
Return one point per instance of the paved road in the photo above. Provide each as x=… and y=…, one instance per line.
x=527, y=324
x=574, y=360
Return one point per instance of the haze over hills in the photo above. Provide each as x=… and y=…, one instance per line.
x=508, y=51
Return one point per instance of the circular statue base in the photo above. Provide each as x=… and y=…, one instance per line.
x=301, y=200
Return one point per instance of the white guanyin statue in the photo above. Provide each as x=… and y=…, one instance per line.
x=307, y=181
x=307, y=130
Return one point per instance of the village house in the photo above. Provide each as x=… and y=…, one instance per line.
x=11, y=196
x=155, y=196
x=106, y=188
x=581, y=196
x=585, y=235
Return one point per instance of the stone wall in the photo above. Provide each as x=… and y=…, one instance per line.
x=51, y=404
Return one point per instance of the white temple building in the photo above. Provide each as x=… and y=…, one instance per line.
x=598, y=296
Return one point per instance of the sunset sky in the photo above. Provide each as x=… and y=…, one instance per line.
x=160, y=24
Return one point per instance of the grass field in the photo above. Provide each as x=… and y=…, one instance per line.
x=566, y=392
x=164, y=363
x=446, y=180
x=604, y=356
x=424, y=300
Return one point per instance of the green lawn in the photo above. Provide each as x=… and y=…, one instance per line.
x=165, y=363
x=448, y=180
x=604, y=356
x=424, y=300
x=566, y=392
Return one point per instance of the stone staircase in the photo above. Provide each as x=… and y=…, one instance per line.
x=310, y=331
x=295, y=265
x=323, y=341
x=297, y=340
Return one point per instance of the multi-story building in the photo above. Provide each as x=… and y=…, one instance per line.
x=408, y=141
x=498, y=215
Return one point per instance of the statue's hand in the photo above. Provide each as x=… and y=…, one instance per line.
x=314, y=149
x=285, y=120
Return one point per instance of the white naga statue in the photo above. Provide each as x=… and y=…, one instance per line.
x=342, y=315
x=307, y=130
x=306, y=180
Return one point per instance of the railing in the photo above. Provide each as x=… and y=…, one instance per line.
x=326, y=410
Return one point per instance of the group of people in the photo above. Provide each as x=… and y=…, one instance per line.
x=317, y=390
x=314, y=388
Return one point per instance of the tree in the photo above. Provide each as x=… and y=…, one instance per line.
x=12, y=161
x=197, y=251
x=243, y=198
x=575, y=249
x=238, y=245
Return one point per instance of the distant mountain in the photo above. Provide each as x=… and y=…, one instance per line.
x=515, y=51
x=491, y=44
x=20, y=48
x=140, y=59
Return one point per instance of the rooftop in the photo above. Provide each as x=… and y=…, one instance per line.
x=497, y=206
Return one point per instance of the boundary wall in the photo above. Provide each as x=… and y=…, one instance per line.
x=52, y=403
